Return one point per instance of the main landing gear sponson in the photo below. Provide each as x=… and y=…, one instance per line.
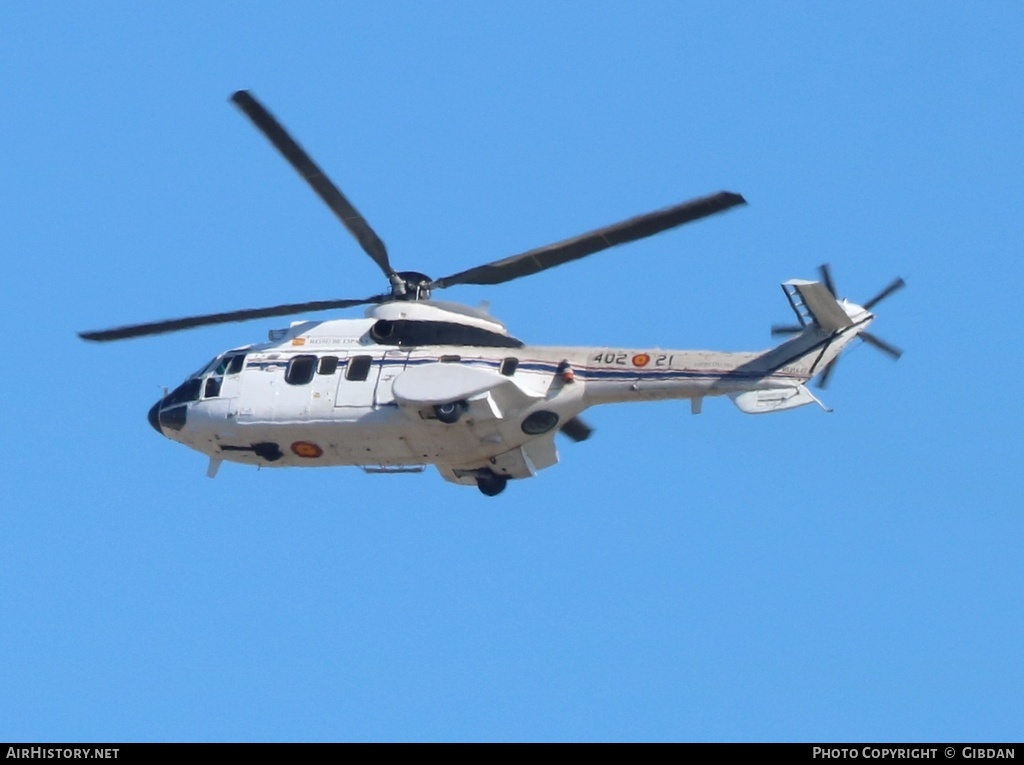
x=450, y=413
x=491, y=484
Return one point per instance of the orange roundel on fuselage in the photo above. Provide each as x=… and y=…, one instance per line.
x=641, y=360
x=307, y=449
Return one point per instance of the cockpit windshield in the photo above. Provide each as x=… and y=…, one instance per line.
x=230, y=363
x=208, y=366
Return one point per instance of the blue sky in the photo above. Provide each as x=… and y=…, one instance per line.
x=801, y=576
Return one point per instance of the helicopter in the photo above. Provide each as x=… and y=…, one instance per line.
x=420, y=381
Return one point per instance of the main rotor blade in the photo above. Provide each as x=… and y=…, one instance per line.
x=826, y=276
x=880, y=344
x=315, y=177
x=190, y=322
x=630, y=230
x=895, y=285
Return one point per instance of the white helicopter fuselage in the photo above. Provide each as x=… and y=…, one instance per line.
x=381, y=394
x=419, y=382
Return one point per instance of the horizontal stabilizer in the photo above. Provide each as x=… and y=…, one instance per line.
x=772, y=400
x=816, y=301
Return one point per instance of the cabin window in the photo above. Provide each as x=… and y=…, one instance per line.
x=508, y=366
x=212, y=389
x=328, y=365
x=300, y=370
x=451, y=359
x=358, y=368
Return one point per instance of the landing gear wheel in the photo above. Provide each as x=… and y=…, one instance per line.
x=449, y=413
x=490, y=484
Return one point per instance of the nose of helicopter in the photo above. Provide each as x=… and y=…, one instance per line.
x=154, y=417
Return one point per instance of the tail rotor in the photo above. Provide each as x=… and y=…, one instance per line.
x=887, y=348
x=894, y=286
x=890, y=350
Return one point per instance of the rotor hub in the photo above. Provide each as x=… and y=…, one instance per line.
x=410, y=285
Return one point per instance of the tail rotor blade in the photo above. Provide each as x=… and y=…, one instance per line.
x=823, y=380
x=894, y=286
x=886, y=348
x=786, y=329
x=577, y=430
x=826, y=277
